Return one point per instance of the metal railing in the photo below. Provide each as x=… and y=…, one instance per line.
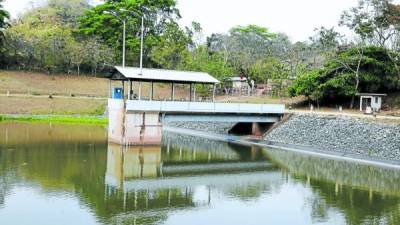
x=203, y=107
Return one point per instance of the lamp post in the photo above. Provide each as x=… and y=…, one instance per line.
x=123, y=44
x=123, y=36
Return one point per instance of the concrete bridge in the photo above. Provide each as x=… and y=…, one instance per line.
x=138, y=120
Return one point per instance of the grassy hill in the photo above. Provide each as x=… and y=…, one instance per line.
x=42, y=84
x=82, y=95
x=28, y=93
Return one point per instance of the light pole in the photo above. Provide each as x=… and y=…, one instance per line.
x=141, y=46
x=124, y=35
x=123, y=45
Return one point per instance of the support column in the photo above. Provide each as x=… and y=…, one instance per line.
x=213, y=94
x=123, y=89
x=152, y=91
x=140, y=90
x=190, y=92
x=129, y=89
x=173, y=91
x=361, y=100
x=194, y=93
x=110, y=89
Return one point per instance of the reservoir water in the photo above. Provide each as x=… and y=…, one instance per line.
x=54, y=174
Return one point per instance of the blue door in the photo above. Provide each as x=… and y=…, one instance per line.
x=117, y=93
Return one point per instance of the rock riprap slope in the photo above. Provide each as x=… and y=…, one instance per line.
x=340, y=134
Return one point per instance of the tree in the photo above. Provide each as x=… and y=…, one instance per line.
x=376, y=21
x=108, y=28
x=348, y=72
x=77, y=53
x=172, y=44
x=200, y=60
x=45, y=39
x=4, y=16
x=326, y=40
x=243, y=46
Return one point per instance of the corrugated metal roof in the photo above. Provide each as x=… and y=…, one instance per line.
x=166, y=75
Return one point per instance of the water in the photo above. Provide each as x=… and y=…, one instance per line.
x=69, y=174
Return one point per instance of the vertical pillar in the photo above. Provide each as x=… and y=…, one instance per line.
x=152, y=91
x=361, y=100
x=123, y=89
x=140, y=90
x=173, y=91
x=190, y=92
x=110, y=89
x=129, y=89
x=213, y=94
x=194, y=93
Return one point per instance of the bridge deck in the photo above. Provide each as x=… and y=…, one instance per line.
x=203, y=107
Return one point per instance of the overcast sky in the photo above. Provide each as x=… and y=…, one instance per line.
x=296, y=18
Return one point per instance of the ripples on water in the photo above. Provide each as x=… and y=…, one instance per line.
x=69, y=174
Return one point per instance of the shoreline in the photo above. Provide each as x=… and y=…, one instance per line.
x=71, y=119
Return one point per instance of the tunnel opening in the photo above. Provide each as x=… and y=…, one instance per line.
x=247, y=128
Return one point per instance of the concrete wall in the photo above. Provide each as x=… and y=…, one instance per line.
x=132, y=128
x=143, y=128
x=115, y=120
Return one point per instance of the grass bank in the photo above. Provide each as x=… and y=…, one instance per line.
x=56, y=119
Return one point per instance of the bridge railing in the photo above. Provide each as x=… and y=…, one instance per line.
x=203, y=107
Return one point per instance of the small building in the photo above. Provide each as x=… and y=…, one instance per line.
x=370, y=102
x=238, y=86
x=239, y=82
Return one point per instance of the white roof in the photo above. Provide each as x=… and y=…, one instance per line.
x=238, y=79
x=166, y=75
x=371, y=94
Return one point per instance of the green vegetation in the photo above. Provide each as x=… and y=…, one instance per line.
x=370, y=63
x=73, y=36
x=346, y=73
x=57, y=119
x=3, y=20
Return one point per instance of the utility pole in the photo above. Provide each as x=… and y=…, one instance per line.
x=141, y=46
x=123, y=35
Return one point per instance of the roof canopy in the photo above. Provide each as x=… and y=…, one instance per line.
x=371, y=94
x=237, y=79
x=159, y=75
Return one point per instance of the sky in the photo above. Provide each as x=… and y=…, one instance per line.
x=296, y=18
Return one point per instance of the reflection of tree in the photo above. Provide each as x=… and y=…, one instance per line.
x=79, y=167
x=358, y=206
x=248, y=192
x=364, y=194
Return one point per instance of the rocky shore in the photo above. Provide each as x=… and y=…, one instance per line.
x=211, y=127
x=340, y=134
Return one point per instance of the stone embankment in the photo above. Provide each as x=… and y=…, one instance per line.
x=340, y=134
x=210, y=127
x=336, y=134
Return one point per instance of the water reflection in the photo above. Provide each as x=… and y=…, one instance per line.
x=69, y=174
x=365, y=194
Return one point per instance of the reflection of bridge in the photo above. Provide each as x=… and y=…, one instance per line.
x=205, y=165
x=137, y=121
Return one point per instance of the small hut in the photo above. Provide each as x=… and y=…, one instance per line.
x=370, y=102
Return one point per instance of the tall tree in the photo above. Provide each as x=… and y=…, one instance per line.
x=376, y=21
x=172, y=45
x=243, y=46
x=4, y=16
x=348, y=72
x=101, y=22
